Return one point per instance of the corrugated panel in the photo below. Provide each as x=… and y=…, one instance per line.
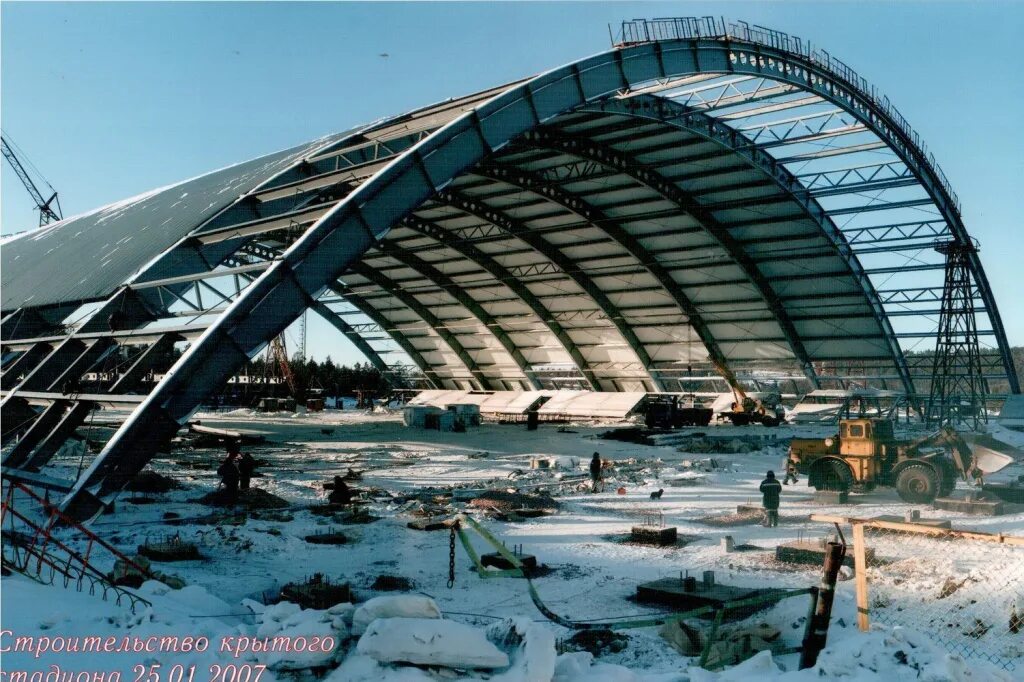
x=88, y=256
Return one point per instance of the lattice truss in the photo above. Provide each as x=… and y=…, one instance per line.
x=702, y=207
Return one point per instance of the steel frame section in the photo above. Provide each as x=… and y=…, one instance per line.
x=433, y=379
x=627, y=163
x=700, y=123
x=505, y=277
x=596, y=217
x=438, y=325
x=353, y=225
x=513, y=227
x=432, y=274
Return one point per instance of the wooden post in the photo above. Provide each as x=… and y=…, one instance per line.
x=860, y=568
x=815, y=641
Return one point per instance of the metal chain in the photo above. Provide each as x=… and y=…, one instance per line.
x=451, y=555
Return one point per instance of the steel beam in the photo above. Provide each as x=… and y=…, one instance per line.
x=351, y=334
x=706, y=126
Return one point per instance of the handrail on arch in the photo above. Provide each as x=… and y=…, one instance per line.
x=637, y=31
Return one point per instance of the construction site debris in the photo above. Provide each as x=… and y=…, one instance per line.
x=253, y=498
x=596, y=642
x=654, y=535
x=633, y=434
x=393, y=606
x=328, y=538
x=971, y=505
x=501, y=500
x=428, y=641
x=152, y=482
x=170, y=549
x=812, y=552
x=430, y=524
x=317, y=592
x=496, y=560
x=210, y=437
x=391, y=583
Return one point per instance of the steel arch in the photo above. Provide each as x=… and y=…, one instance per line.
x=278, y=296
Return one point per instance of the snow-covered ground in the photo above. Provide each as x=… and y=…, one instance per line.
x=593, y=574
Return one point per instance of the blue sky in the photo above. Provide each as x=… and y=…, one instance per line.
x=110, y=100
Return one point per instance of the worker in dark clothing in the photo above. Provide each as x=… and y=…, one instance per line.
x=770, y=491
x=341, y=494
x=229, y=476
x=246, y=467
x=790, y=473
x=595, y=472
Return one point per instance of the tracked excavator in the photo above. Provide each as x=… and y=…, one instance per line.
x=866, y=453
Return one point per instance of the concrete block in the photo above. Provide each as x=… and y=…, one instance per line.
x=688, y=593
x=653, y=535
x=430, y=524
x=967, y=506
x=832, y=497
x=728, y=544
x=811, y=552
x=496, y=560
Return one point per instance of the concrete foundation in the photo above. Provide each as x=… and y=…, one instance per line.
x=317, y=593
x=495, y=560
x=971, y=506
x=430, y=524
x=689, y=593
x=831, y=497
x=327, y=539
x=170, y=550
x=811, y=552
x=654, y=535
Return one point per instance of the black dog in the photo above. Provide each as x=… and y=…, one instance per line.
x=657, y=495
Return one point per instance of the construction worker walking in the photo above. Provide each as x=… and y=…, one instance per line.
x=790, y=473
x=595, y=472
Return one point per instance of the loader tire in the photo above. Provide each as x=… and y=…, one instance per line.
x=831, y=474
x=917, y=483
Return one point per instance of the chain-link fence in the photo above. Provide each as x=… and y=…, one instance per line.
x=963, y=589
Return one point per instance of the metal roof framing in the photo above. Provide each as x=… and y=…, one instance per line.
x=623, y=164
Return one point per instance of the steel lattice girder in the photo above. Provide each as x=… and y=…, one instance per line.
x=417, y=175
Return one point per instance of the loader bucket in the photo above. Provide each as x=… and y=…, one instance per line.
x=989, y=460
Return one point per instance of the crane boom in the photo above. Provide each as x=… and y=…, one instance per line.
x=49, y=209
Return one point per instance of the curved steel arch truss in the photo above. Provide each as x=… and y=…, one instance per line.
x=308, y=248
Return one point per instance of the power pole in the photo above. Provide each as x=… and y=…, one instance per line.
x=49, y=209
x=958, y=386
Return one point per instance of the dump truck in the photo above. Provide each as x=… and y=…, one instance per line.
x=866, y=453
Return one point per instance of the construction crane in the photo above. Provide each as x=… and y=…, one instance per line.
x=280, y=354
x=49, y=209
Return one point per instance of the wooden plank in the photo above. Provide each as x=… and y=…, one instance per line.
x=860, y=570
x=924, y=530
